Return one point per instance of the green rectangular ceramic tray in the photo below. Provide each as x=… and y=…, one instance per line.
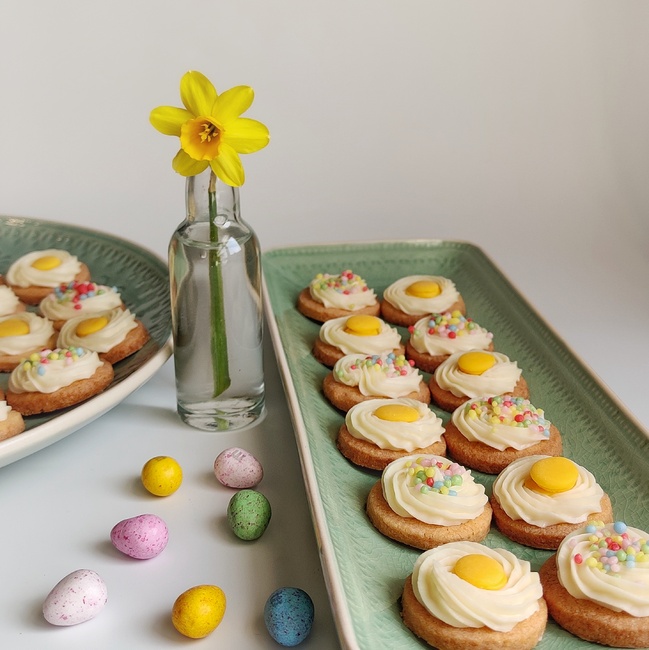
x=364, y=570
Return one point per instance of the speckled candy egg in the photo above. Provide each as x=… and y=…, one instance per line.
x=238, y=468
x=248, y=514
x=77, y=598
x=288, y=615
x=141, y=537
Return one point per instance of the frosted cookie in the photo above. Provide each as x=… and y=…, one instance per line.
x=426, y=500
x=35, y=275
x=333, y=296
x=434, y=338
x=597, y=585
x=409, y=299
x=9, y=302
x=11, y=422
x=20, y=335
x=355, y=379
x=56, y=379
x=538, y=500
x=359, y=334
x=477, y=373
x=488, y=434
x=114, y=334
x=75, y=299
x=378, y=431
x=467, y=596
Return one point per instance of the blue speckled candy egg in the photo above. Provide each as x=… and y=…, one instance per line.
x=288, y=615
x=249, y=513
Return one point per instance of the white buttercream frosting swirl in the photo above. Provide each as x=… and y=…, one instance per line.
x=432, y=489
x=600, y=563
x=22, y=273
x=384, y=375
x=39, y=334
x=448, y=333
x=458, y=603
x=334, y=332
x=512, y=491
x=344, y=291
x=120, y=323
x=79, y=298
x=501, y=378
x=396, y=295
x=9, y=301
x=363, y=424
x=502, y=422
x=51, y=370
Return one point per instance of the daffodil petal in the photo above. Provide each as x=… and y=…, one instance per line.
x=232, y=103
x=245, y=135
x=197, y=93
x=185, y=165
x=169, y=119
x=227, y=166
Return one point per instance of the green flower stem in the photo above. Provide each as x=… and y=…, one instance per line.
x=218, y=334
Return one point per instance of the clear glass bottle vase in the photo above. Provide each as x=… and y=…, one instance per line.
x=216, y=309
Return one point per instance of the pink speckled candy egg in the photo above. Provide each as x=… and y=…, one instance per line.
x=77, y=598
x=238, y=468
x=141, y=537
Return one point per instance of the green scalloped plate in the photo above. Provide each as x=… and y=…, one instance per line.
x=143, y=281
x=365, y=571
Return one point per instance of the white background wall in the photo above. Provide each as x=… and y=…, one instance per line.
x=520, y=126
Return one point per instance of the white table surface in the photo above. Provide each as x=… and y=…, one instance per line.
x=58, y=506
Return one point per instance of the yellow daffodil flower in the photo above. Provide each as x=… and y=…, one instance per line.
x=210, y=128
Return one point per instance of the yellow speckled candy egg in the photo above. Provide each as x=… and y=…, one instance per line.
x=162, y=475
x=198, y=611
x=397, y=413
x=481, y=571
x=362, y=325
x=475, y=362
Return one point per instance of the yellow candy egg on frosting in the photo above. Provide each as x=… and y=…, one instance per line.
x=46, y=263
x=554, y=474
x=481, y=571
x=363, y=325
x=424, y=289
x=13, y=327
x=91, y=325
x=397, y=413
x=476, y=362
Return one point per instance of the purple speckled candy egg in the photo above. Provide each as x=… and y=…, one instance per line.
x=141, y=537
x=238, y=468
x=77, y=598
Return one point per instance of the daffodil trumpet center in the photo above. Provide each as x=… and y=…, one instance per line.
x=200, y=138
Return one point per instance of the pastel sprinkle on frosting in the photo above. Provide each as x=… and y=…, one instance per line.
x=346, y=283
x=76, y=292
x=510, y=411
x=40, y=360
x=431, y=476
x=612, y=548
x=449, y=325
x=392, y=365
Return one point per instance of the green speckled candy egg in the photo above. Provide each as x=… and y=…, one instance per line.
x=248, y=514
